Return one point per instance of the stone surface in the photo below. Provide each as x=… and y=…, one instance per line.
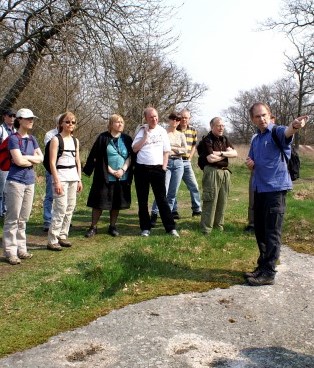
x=249, y=327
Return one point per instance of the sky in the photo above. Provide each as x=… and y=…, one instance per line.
x=220, y=45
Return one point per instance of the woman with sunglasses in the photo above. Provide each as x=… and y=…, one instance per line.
x=111, y=158
x=66, y=179
x=19, y=188
x=175, y=167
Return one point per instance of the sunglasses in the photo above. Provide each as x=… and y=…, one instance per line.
x=28, y=119
x=68, y=122
x=12, y=115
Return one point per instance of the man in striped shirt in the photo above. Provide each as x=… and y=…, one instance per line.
x=188, y=175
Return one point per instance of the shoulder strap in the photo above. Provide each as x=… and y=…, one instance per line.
x=277, y=142
x=75, y=142
x=61, y=145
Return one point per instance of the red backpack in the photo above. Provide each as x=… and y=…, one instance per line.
x=5, y=155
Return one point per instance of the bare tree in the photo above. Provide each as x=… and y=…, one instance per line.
x=48, y=31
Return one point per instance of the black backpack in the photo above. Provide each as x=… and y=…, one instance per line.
x=294, y=163
x=61, y=149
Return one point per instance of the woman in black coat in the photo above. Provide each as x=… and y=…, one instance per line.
x=111, y=160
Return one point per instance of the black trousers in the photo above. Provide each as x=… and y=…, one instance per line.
x=269, y=209
x=154, y=175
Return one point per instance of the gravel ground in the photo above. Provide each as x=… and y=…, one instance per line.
x=249, y=327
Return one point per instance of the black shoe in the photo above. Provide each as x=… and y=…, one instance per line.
x=175, y=215
x=262, y=279
x=64, y=243
x=153, y=219
x=196, y=213
x=112, y=230
x=249, y=229
x=254, y=273
x=46, y=228
x=91, y=232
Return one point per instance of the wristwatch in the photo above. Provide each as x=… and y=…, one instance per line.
x=221, y=154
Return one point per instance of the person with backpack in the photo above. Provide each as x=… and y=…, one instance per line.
x=19, y=188
x=65, y=167
x=214, y=151
x=271, y=181
x=49, y=192
x=6, y=129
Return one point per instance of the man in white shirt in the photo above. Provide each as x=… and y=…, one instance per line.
x=152, y=146
x=49, y=195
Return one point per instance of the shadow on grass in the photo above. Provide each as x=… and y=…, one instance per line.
x=135, y=266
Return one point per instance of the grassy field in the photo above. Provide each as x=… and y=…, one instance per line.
x=58, y=291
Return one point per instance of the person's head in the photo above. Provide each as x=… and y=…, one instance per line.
x=260, y=115
x=185, y=116
x=151, y=117
x=174, y=119
x=8, y=117
x=24, y=119
x=115, y=124
x=67, y=122
x=217, y=126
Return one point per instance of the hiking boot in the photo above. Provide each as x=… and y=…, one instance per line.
x=55, y=247
x=176, y=215
x=145, y=233
x=262, y=279
x=25, y=255
x=112, y=230
x=64, y=243
x=14, y=260
x=174, y=233
x=91, y=232
x=153, y=219
x=254, y=273
x=196, y=213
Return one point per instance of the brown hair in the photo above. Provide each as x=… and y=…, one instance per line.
x=61, y=118
x=251, y=110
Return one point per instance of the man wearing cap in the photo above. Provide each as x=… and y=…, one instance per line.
x=6, y=129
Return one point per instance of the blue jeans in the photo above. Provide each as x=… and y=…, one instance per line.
x=48, y=200
x=191, y=183
x=173, y=179
x=3, y=178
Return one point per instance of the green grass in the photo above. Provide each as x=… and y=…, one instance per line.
x=58, y=291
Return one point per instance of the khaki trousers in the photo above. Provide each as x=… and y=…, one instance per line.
x=62, y=211
x=215, y=184
x=19, y=200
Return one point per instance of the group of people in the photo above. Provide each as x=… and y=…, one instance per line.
x=157, y=158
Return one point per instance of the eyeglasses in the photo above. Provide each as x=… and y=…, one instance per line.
x=12, y=115
x=28, y=119
x=68, y=122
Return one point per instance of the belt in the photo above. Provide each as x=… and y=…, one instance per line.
x=175, y=158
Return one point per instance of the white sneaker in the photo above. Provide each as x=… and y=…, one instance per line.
x=174, y=233
x=145, y=233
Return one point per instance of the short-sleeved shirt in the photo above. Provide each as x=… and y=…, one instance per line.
x=153, y=150
x=270, y=169
x=191, y=139
x=24, y=175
